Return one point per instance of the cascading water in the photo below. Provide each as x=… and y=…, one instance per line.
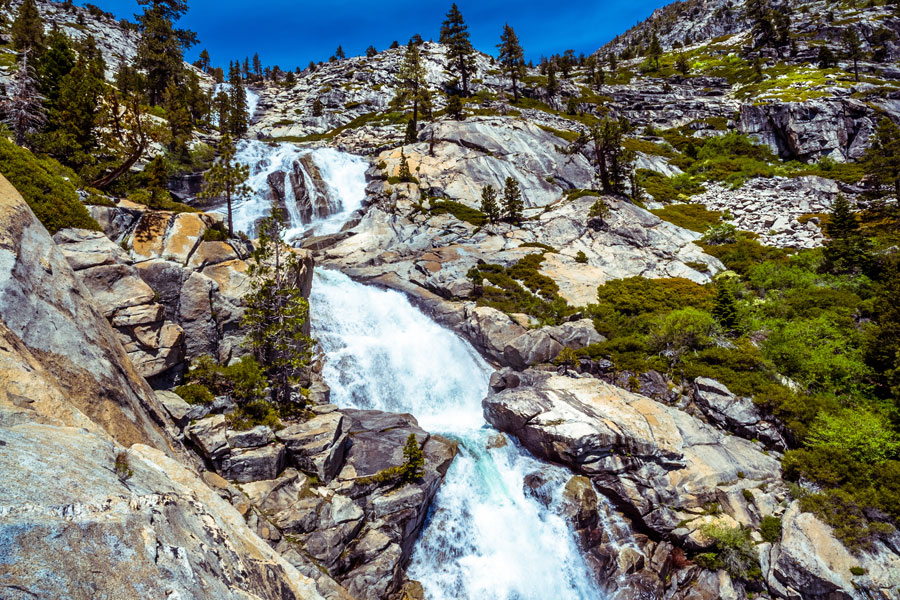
x=486, y=538
x=342, y=174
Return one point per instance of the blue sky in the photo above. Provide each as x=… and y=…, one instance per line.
x=291, y=34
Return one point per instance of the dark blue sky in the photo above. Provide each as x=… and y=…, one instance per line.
x=291, y=34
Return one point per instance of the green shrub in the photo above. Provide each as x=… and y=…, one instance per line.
x=846, y=515
x=734, y=552
x=215, y=233
x=689, y=216
x=668, y=189
x=41, y=182
x=581, y=257
x=861, y=434
x=681, y=331
x=743, y=254
x=522, y=289
x=638, y=295
x=243, y=380
x=460, y=211
x=857, y=571
x=194, y=393
x=251, y=414
x=770, y=529
x=719, y=234
x=159, y=200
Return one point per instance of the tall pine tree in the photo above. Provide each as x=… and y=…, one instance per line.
x=512, y=201
x=489, y=204
x=882, y=159
x=511, y=58
x=28, y=30
x=846, y=250
x=227, y=178
x=460, y=53
x=412, y=87
x=22, y=109
x=161, y=46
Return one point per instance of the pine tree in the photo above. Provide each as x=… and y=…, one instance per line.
x=460, y=53
x=552, y=85
x=403, y=172
x=277, y=313
x=489, y=204
x=613, y=161
x=455, y=108
x=57, y=61
x=203, y=62
x=852, y=48
x=238, y=118
x=882, y=159
x=725, y=305
x=123, y=136
x=317, y=108
x=28, y=30
x=257, y=65
x=846, y=250
x=682, y=64
x=654, y=52
x=512, y=201
x=412, y=85
x=511, y=58
x=222, y=108
x=161, y=46
x=414, y=460
x=22, y=108
x=759, y=13
x=226, y=178
x=339, y=53
x=371, y=51
x=826, y=57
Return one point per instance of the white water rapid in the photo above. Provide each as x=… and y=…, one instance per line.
x=342, y=173
x=486, y=538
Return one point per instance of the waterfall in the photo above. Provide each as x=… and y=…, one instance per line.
x=324, y=208
x=486, y=537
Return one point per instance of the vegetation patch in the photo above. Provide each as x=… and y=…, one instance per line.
x=458, y=210
x=47, y=188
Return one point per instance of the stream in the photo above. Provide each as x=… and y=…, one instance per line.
x=485, y=538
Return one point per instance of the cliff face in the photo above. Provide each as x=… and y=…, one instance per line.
x=99, y=499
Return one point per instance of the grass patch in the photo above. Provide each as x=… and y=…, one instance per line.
x=695, y=217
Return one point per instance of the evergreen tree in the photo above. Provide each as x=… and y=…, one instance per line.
x=394, y=45
x=725, y=306
x=226, y=178
x=759, y=13
x=28, y=30
x=339, y=53
x=682, y=64
x=489, y=204
x=613, y=161
x=371, y=51
x=412, y=85
x=257, y=65
x=455, y=108
x=511, y=58
x=222, y=108
x=460, y=53
x=613, y=64
x=566, y=62
x=180, y=124
x=512, y=201
x=882, y=159
x=416, y=39
x=852, y=48
x=846, y=249
x=22, y=109
x=277, y=313
x=57, y=61
x=245, y=68
x=161, y=46
x=654, y=51
x=414, y=460
x=403, y=172
x=883, y=347
x=203, y=62
x=552, y=85
x=317, y=108
x=826, y=57
x=237, y=116
x=782, y=24
x=123, y=136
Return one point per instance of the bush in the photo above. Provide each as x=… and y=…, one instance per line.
x=581, y=258
x=719, y=234
x=254, y=413
x=770, y=529
x=668, y=189
x=243, y=380
x=637, y=295
x=689, y=216
x=194, y=393
x=862, y=435
x=681, y=331
x=734, y=552
x=742, y=254
x=159, y=200
x=216, y=233
x=504, y=290
x=460, y=211
x=41, y=182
